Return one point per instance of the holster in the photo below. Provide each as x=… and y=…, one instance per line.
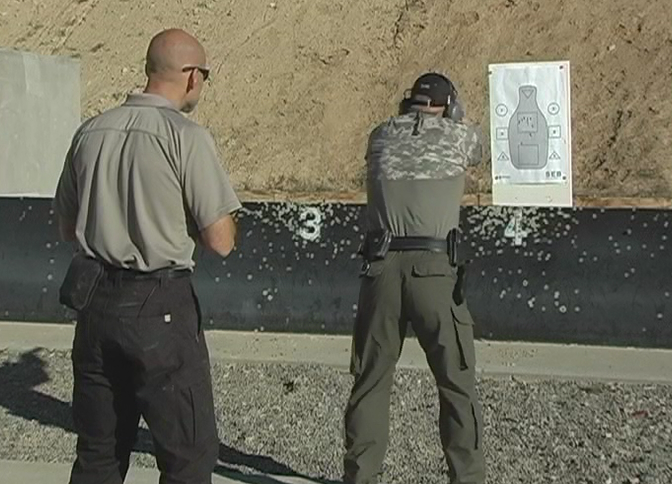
x=80, y=282
x=460, y=284
x=455, y=261
x=453, y=247
x=376, y=245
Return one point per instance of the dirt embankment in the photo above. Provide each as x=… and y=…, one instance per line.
x=298, y=84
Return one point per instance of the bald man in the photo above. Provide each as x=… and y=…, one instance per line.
x=141, y=183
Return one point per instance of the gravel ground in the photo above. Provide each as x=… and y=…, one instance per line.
x=286, y=419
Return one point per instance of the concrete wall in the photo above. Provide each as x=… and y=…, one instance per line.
x=39, y=112
x=577, y=276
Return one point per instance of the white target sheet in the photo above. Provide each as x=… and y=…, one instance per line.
x=530, y=130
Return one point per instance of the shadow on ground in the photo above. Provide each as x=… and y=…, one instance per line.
x=20, y=397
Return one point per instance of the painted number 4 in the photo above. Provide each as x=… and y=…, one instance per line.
x=514, y=229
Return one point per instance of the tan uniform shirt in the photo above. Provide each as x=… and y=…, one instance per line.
x=140, y=181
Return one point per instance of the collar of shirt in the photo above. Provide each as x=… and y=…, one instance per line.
x=150, y=100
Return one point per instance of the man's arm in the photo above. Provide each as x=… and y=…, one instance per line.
x=220, y=236
x=67, y=230
x=66, y=204
x=208, y=192
x=473, y=145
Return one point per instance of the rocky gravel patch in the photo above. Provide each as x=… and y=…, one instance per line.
x=287, y=419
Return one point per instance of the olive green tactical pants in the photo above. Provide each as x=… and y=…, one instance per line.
x=415, y=287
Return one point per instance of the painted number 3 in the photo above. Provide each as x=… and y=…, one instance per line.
x=310, y=223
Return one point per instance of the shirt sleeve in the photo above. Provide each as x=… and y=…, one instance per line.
x=207, y=189
x=474, y=146
x=66, y=201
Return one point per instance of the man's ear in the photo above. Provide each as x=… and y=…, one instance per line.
x=191, y=80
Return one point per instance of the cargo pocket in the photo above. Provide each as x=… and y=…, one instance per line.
x=355, y=362
x=434, y=266
x=477, y=426
x=464, y=335
x=199, y=315
x=203, y=411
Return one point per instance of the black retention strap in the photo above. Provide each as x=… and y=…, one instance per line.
x=430, y=244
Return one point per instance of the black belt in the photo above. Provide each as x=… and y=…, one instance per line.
x=133, y=275
x=430, y=244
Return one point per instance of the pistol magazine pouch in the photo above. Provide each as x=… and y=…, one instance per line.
x=376, y=245
x=80, y=282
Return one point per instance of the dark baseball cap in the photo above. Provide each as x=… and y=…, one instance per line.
x=431, y=89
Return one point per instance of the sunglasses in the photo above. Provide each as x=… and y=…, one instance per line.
x=203, y=70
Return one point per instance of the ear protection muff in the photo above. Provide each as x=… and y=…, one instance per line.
x=452, y=109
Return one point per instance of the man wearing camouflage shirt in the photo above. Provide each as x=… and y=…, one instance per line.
x=416, y=177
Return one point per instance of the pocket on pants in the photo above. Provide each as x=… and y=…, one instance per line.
x=204, y=424
x=354, y=360
x=156, y=348
x=464, y=334
x=188, y=415
x=477, y=426
x=433, y=266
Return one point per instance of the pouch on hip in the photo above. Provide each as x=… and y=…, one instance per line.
x=80, y=282
x=376, y=245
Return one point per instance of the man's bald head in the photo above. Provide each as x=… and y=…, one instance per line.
x=176, y=68
x=170, y=51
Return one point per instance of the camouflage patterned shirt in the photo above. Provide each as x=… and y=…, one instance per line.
x=419, y=146
x=416, y=173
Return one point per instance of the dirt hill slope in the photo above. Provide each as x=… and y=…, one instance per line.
x=298, y=84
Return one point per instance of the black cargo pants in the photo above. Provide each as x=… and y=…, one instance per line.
x=415, y=287
x=139, y=351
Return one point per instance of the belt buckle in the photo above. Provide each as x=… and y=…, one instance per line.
x=366, y=265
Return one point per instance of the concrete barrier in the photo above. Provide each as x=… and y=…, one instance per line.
x=39, y=113
x=587, y=276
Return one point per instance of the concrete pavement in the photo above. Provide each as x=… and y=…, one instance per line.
x=493, y=358
x=23, y=472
